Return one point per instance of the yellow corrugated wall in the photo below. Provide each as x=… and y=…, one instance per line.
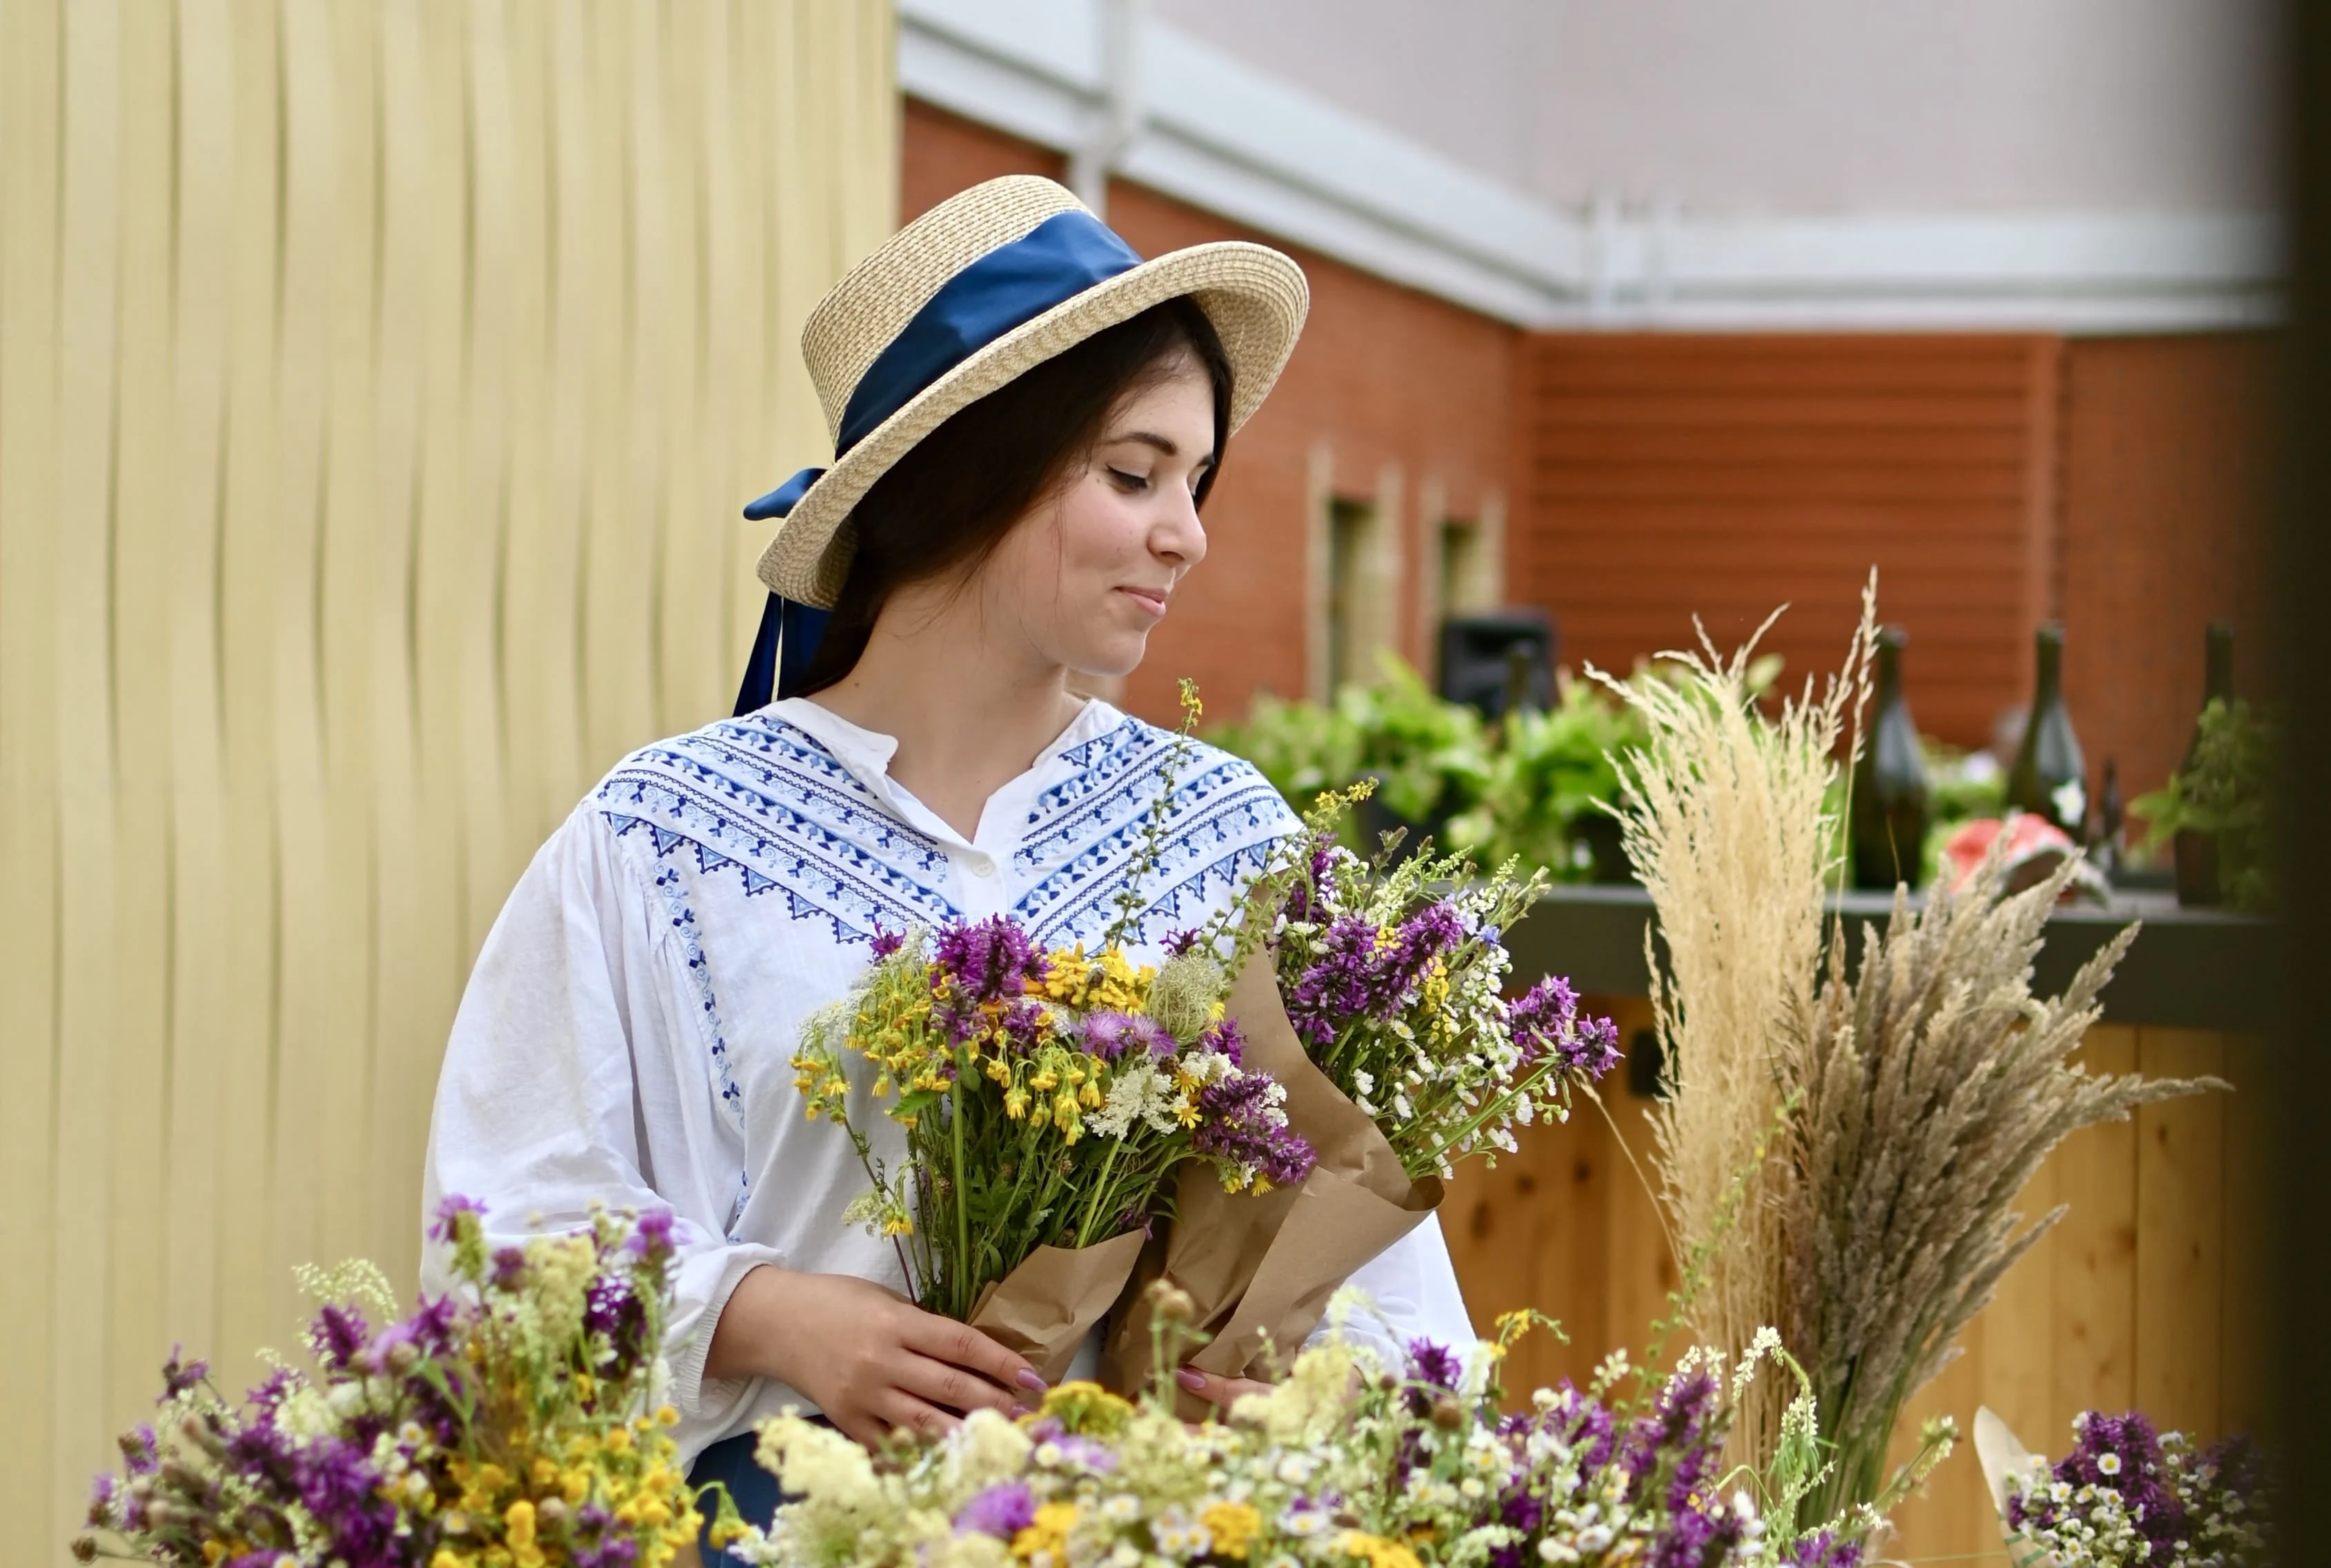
x=379, y=383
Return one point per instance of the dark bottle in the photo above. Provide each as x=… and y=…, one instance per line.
x=2049, y=778
x=1889, y=782
x=2196, y=853
x=2103, y=846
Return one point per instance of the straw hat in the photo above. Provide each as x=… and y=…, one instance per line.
x=984, y=286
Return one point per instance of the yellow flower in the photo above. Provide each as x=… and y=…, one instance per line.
x=518, y=1524
x=1050, y=1533
x=619, y=1440
x=1232, y=1525
x=1015, y=1102
x=542, y=1472
x=1376, y=1550
x=666, y=1416
x=574, y=1485
x=1087, y=1409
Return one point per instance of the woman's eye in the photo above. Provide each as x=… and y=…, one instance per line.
x=1132, y=484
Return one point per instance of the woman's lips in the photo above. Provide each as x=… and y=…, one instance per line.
x=1150, y=599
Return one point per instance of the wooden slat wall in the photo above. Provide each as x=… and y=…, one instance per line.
x=1667, y=475
x=378, y=386
x=2150, y=1294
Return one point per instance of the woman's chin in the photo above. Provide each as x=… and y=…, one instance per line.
x=1113, y=659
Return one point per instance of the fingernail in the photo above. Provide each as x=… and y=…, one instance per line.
x=1023, y=1410
x=1195, y=1382
x=1028, y=1380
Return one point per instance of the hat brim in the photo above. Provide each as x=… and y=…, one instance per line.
x=1255, y=297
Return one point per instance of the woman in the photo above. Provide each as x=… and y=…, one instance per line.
x=1027, y=419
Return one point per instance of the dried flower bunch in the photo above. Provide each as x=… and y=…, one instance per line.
x=1879, y=1123
x=1725, y=828
x=1393, y=972
x=1047, y=1098
x=516, y=1422
x=2124, y=1496
x=1343, y=1465
x=1928, y=1090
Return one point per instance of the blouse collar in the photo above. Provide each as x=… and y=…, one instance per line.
x=866, y=753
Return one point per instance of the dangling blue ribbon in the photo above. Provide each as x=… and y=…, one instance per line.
x=1012, y=285
x=789, y=630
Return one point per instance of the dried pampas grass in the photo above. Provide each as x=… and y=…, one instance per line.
x=1724, y=827
x=1837, y=1152
x=1926, y=1093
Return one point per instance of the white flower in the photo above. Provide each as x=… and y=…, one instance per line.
x=1123, y=1508
x=1594, y=1538
x=987, y=1448
x=2108, y=1463
x=1296, y=1470
x=1179, y=1535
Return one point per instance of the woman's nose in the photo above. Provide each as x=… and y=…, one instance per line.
x=1180, y=536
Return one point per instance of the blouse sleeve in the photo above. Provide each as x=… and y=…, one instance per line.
x=1411, y=1290
x=567, y=1080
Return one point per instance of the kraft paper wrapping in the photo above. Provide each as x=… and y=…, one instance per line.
x=2003, y=1455
x=1043, y=1309
x=1260, y=1269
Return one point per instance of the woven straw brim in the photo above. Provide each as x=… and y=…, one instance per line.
x=1255, y=297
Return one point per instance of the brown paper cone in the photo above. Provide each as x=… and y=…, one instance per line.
x=1260, y=1270
x=1044, y=1308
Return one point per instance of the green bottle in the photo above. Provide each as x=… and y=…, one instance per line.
x=2049, y=778
x=1889, y=782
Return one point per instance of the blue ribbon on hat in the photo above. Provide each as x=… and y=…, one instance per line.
x=1008, y=288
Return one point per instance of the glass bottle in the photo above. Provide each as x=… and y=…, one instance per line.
x=1889, y=782
x=2196, y=853
x=2049, y=778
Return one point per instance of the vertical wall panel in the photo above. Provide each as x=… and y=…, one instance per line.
x=1667, y=476
x=379, y=383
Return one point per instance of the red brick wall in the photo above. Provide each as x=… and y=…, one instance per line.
x=2164, y=475
x=1385, y=377
x=1726, y=475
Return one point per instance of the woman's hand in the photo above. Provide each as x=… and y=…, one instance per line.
x=1222, y=1392
x=870, y=1359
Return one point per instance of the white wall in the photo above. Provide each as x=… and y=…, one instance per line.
x=1800, y=106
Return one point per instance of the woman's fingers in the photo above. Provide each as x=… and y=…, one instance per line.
x=1222, y=1392
x=960, y=1344
x=952, y=1388
x=902, y=1411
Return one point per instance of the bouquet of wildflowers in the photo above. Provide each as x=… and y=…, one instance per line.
x=2125, y=1496
x=1393, y=977
x=1047, y=1101
x=517, y=1422
x=1376, y=999
x=1344, y=1465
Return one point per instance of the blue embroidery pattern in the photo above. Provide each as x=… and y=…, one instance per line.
x=1222, y=821
x=763, y=798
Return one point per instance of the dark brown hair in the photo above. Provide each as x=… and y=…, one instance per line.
x=941, y=509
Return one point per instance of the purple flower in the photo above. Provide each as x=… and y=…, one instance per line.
x=652, y=1238
x=1545, y=1018
x=2136, y=1471
x=612, y=1307
x=337, y=1485
x=1358, y=973
x=991, y=960
x=1225, y=1038
x=338, y=1335
x=1679, y=1436
x=450, y=1211
x=1520, y=1511
x=179, y=1376
x=886, y=943
x=1002, y=1511
x=1433, y=1363
x=1822, y=1550
x=1106, y=1034
x=1239, y=1125
x=139, y=1451
x=510, y=1268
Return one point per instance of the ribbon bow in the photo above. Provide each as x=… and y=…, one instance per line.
x=789, y=630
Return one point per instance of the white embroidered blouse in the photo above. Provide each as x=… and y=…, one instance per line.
x=627, y=1032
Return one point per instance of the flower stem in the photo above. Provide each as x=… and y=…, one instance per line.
x=1099, y=1193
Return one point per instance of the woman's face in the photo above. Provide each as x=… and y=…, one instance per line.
x=1090, y=571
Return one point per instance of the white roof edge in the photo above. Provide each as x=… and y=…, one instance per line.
x=1218, y=133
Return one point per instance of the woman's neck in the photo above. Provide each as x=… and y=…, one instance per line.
x=970, y=705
